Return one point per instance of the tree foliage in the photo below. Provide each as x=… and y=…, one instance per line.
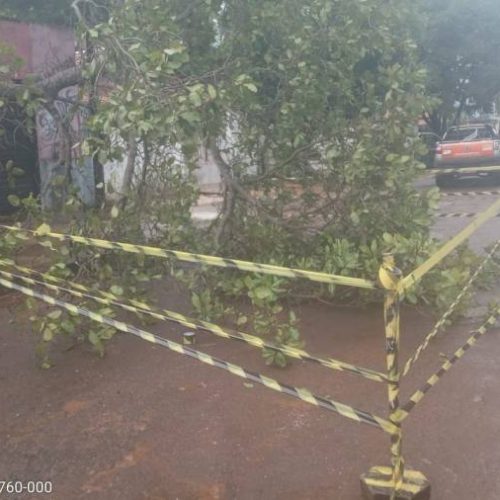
x=461, y=50
x=327, y=93
x=309, y=110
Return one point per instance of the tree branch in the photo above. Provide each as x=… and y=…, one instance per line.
x=48, y=87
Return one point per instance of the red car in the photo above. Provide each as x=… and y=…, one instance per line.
x=473, y=145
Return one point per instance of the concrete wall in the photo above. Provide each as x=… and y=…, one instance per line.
x=44, y=49
x=49, y=147
x=207, y=174
x=40, y=47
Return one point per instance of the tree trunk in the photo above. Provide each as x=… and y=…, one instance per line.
x=129, y=169
x=228, y=192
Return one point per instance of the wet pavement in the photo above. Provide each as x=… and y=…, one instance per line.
x=146, y=423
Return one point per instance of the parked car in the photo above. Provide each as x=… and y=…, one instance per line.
x=472, y=145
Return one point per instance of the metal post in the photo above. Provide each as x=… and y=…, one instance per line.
x=389, y=276
x=393, y=483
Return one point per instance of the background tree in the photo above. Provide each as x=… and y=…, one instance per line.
x=461, y=51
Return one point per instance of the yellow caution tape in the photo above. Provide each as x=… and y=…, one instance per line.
x=166, y=315
x=418, y=395
x=206, y=259
x=448, y=247
x=298, y=393
x=411, y=362
x=459, y=215
x=381, y=478
x=466, y=170
x=389, y=276
x=469, y=193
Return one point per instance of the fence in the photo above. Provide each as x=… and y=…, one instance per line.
x=392, y=482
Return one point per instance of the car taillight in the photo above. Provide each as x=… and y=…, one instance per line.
x=439, y=149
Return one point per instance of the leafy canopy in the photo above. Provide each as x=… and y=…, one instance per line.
x=309, y=110
x=461, y=51
x=327, y=92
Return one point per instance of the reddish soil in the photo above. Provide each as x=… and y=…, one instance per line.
x=146, y=423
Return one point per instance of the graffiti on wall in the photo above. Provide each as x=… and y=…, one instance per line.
x=49, y=135
x=50, y=148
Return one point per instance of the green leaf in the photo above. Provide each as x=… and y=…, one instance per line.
x=251, y=87
x=94, y=338
x=174, y=50
x=280, y=360
x=195, y=300
x=22, y=236
x=211, y=91
x=68, y=327
x=191, y=116
x=262, y=292
x=43, y=229
x=241, y=320
x=195, y=98
x=55, y=314
x=116, y=290
x=241, y=78
x=14, y=200
x=48, y=335
x=47, y=244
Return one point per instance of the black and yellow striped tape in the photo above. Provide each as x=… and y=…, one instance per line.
x=469, y=193
x=209, y=260
x=305, y=395
x=418, y=395
x=166, y=315
x=411, y=362
x=459, y=215
x=448, y=247
x=466, y=170
x=381, y=481
x=389, y=276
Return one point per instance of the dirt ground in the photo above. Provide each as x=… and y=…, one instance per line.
x=146, y=423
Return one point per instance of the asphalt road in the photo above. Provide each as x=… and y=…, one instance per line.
x=145, y=423
x=468, y=196
x=148, y=424
x=470, y=202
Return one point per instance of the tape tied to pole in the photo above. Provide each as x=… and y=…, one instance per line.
x=305, y=395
